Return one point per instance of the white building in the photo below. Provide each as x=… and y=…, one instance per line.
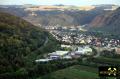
x=43, y=60
x=58, y=54
x=67, y=46
x=83, y=50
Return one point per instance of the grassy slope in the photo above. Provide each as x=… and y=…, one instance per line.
x=74, y=72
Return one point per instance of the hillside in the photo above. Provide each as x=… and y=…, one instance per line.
x=20, y=44
x=108, y=22
x=54, y=17
x=63, y=18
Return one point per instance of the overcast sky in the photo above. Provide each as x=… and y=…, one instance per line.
x=64, y=2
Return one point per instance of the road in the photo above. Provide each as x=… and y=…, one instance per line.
x=46, y=41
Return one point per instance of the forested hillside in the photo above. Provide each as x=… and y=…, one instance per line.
x=20, y=44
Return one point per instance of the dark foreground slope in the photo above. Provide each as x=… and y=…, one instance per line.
x=20, y=44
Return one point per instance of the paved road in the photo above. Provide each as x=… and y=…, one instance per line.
x=97, y=55
x=46, y=41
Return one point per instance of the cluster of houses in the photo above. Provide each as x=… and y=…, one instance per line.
x=72, y=27
x=82, y=50
x=105, y=42
x=78, y=38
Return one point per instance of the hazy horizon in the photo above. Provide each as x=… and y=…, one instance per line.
x=57, y=2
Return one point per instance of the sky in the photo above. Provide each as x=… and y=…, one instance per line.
x=54, y=2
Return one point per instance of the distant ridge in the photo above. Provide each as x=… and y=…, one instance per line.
x=108, y=22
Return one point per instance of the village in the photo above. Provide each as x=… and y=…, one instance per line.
x=75, y=35
x=78, y=43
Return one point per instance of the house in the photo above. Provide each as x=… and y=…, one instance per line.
x=87, y=49
x=54, y=57
x=117, y=50
x=82, y=42
x=75, y=55
x=79, y=51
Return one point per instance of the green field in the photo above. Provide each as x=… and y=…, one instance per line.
x=74, y=72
